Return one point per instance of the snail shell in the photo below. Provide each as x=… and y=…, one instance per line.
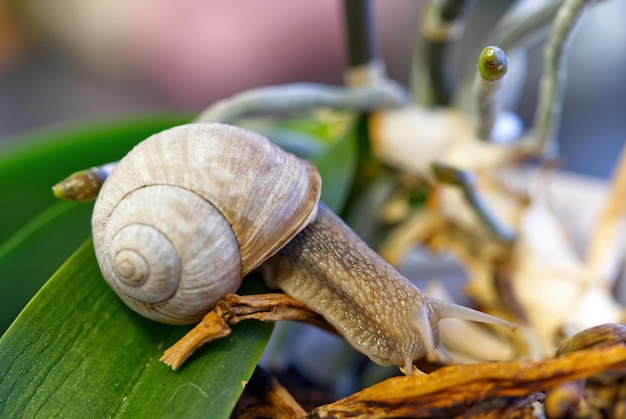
x=172, y=242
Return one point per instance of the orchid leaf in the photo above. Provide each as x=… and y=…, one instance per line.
x=76, y=350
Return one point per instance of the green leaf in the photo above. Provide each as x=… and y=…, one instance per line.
x=337, y=166
x=32, y=164
x=38, y=231
x=33, y=254
x=77, y=351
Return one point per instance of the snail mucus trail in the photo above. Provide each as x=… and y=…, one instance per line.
x=187, y=213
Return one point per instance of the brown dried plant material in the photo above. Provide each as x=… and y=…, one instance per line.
x=496, y=389
x=500, y=408
x=265, y=397
x=606, y=249
x=603, y=335
x=564, y=399
x=602, y=395
x=231, y=310
x=454, y=390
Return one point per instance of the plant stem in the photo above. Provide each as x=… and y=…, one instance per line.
x=364, y=63
x=432, y=81
x=492, y=66
x=550, y=101
x=465, y=181
x=299, y=97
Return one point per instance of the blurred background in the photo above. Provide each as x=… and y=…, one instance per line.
x=65, y=61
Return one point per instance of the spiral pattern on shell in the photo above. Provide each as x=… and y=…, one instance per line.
x=191, y=210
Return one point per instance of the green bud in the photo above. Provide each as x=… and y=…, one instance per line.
x=492, y=63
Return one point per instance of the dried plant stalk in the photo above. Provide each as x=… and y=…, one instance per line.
x=605, y=249
x=265, y=397
x=231, y=310
x=452, y=390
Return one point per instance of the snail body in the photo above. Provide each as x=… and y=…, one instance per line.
x=376, y=309
x=191, y=210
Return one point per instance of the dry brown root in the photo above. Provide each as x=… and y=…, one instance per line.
x=601, y=395
x=489, y=389
x=231, y=310
x=265, y=397
x=461, y=389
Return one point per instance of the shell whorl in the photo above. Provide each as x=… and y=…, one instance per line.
x=191, y=210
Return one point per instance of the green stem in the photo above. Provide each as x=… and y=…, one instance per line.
x=300, y=97
x=492, y=66
x=432, y=81
x=521, y=28
x=550, y=102
x=291, y=98
x=464, y=180
x=364, y=63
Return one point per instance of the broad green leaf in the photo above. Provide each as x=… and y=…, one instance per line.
x=76, y=334
x=31, y=249
x=33, y=254
x=337, y=166
x=29, y=169
x=77, y=351
x=32, y=164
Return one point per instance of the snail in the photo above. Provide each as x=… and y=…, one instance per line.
x=190, y=211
